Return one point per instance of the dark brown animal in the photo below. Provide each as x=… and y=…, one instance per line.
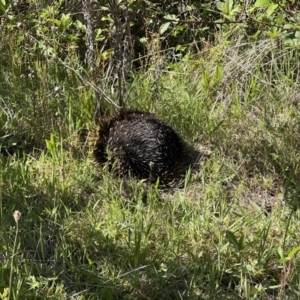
x=142, y=145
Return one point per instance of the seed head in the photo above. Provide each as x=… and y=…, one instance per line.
x=17, y=216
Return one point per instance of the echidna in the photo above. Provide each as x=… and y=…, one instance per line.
x=142, y=145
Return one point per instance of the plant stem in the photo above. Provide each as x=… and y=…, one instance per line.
x=12, y=262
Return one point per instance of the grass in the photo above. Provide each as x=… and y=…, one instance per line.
x=230, y=233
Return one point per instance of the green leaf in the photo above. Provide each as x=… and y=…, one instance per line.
x=241, y=242
x=288, y=26
x=297, y=34
x=106, y=54
x=293, y=252
x=271, y=8
x=4, y=6
x=107, y=18
x=272, y=34
x=226, y=7
x=232, y=239
x=221, y=6
x=171, y=18
x=164, y=27
x=262, y=3
x=51, y=144
x=98, y=36
x=229, y=6
x=281, y=257
x=65, y=22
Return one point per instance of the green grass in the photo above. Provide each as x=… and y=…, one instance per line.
x=231, y=233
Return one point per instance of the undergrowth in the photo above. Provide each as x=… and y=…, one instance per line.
x=230, y=233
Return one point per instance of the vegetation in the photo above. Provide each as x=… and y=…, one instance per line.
x=225, y=75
